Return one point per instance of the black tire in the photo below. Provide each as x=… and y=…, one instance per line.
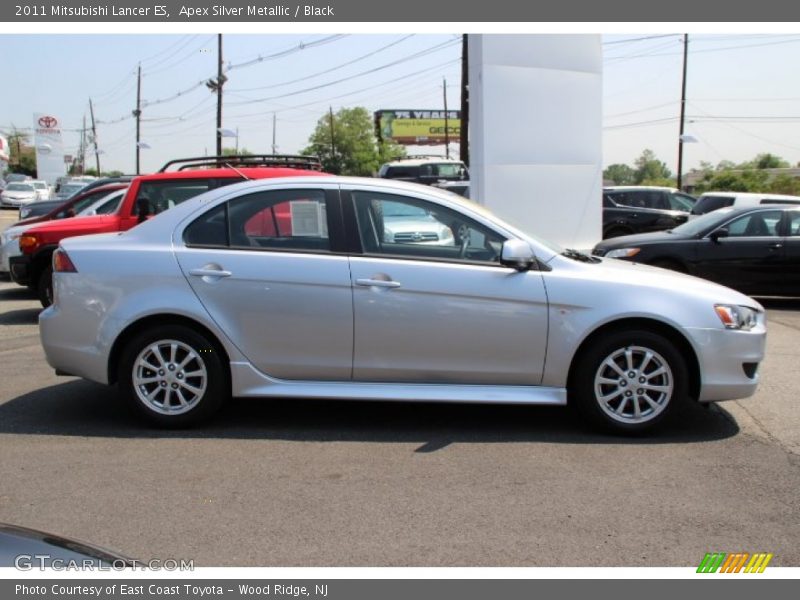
x=616, y=232
x=173, y=405
x=587, y=390
x=44, y=287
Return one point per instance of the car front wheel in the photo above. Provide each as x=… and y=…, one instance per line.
x=629, y=381
x=173, y=376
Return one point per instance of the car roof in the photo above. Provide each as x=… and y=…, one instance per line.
x=750, y=195
x=228, y=173
x=634, y=188
x=415, y=162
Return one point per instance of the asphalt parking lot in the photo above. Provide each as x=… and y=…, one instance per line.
x=299, y=483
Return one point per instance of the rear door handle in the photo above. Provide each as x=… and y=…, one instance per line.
x=776, y=246
x=382, y=283
x=210, y=273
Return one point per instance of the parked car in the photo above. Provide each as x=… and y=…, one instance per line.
x=104, y=206
x=147, y=196
x=60, y=209
x=9, y=239
x=425, y=169
x=16, y=177
x=42, y=190
x=711, y=201
x=639, y=209
x=189, y=308
x=18, y=193
x=69, y=189
x=753, y=250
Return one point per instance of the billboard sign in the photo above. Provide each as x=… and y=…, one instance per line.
x=49, y=147
x=418, y=127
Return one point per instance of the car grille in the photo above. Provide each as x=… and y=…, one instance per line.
x=416, y=237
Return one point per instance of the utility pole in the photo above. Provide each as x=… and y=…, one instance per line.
x=82, y=150
x=220, y=82
x=464, y=135
x=334, y=162
x=446, y=124
x=94, y=138
x=274, y=144
x=683, y=108
x=138, y=113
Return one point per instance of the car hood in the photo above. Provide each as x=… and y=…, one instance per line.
x=634, y=275
x=88, y=224
x=626, y=241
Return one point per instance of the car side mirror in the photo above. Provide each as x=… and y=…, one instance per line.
x=517, y=254
x=142, y=209
x=717, y=234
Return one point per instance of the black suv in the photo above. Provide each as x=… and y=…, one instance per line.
x=639, y=209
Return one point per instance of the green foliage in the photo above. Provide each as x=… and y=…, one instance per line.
x=620, y=174
x=748, y=180
x=649, y=168
x=235, y=152
x=22, y=157
x=348, y=146
x=765, y=161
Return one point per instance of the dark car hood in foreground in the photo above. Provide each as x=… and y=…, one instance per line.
x=625, y=241
x=29, y=543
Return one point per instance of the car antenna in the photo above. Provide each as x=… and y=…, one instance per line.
x=245, y=177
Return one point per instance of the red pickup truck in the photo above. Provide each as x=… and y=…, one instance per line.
x=147, y=196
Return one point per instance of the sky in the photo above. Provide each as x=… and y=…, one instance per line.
x=743, y=93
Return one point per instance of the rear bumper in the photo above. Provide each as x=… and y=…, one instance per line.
x=728, y=361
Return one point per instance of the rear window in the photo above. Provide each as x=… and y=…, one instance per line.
x=707, y=204
x=402, y=172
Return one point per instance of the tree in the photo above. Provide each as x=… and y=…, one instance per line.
x=620, y=174
x=348, y=145
x=649, y=168
x=235, y=152
x=22, y=157
x=765, y=161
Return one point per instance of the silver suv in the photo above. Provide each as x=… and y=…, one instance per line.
x=292, y=288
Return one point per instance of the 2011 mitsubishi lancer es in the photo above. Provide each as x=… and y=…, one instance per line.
x=292, y=288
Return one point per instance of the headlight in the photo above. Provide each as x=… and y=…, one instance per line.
x=736, y=317
x=623, y=253
x=24, y=212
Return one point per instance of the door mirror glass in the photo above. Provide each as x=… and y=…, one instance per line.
x=517, y=254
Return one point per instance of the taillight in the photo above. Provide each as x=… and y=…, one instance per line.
x=28, y=243
x=62, y=262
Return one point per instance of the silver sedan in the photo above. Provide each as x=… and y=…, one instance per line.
x=291, y=288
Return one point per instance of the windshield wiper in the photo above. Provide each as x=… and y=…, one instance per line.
x=580, y=256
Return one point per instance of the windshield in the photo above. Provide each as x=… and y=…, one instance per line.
x=397, y=209
x=40, y=185
x=71, y=188
x=19, y=187
x=701, y=223
x=105, y=206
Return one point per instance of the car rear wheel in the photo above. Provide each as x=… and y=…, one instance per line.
x=629, y=381
x=44, y=288
x=173, y=376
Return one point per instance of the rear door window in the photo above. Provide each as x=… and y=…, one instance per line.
x=707, y=204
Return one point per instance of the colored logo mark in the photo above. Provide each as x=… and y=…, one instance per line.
x=738, y=562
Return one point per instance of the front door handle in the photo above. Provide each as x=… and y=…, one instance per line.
x=776, y=246
x=210, y=273
x=381, y=283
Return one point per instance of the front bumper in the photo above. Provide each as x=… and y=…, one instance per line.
x=20, y=269
x=728, y=361
x=8, y=248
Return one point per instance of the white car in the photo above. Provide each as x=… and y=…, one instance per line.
x=42, y=189
x=18, y=193
x=210, y=299
x=710, y=201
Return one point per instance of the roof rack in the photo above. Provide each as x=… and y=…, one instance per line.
x=246, y=160
x=420, y=157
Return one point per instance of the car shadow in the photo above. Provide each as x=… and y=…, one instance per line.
x=23, y=316
x=81, y=408
x=17, y=293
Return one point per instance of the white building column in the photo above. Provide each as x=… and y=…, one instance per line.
x=536, y=133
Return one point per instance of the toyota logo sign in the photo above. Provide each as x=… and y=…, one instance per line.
x=48, y=122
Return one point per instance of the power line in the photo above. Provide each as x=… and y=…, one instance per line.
x=325, y=72
x=414, y=56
